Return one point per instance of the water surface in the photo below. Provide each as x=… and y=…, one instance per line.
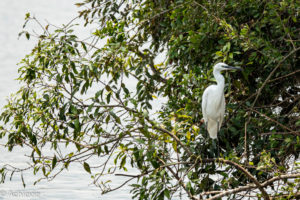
x=72, y=184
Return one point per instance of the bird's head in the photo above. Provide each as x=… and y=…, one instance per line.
x=224, y=66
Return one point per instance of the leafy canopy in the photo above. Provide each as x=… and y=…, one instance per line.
x=130, y=96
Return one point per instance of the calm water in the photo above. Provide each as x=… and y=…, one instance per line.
x=75, y=183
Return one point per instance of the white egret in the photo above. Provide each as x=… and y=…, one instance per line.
x=213, y=101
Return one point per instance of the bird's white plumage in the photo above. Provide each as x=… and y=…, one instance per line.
x=213, y=109
x=213, y=102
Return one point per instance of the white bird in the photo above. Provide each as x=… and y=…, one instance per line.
x=213, y=101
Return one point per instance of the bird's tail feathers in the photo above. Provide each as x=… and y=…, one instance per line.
x=212, y=128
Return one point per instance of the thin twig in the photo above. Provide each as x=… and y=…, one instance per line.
x=282, y=77
x=252, y=186
x=271, y=74
x=252, y=178
x=270, y=119
x=180, y=181
x=281, y=133
x=258, y=94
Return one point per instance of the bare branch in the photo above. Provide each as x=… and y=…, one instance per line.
x=251, y=186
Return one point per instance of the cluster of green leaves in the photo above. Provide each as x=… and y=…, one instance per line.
x=76, y=94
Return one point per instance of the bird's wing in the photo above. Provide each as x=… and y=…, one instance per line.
x=204, y=104
x=222, y=112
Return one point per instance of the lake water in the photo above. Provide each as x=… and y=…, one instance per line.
x=72, y=184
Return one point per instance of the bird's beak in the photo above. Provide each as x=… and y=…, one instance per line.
x=233, y=68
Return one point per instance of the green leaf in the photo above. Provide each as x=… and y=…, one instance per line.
x=27, y=16
x=54, y=161
x=115, y=117
x=167, y=194
x=86, y=167
x=37, y=150
x=123, y=162
x=77, y=125
x=107, y=119
x=84, y=46
x=108, y=97
x=27, y=35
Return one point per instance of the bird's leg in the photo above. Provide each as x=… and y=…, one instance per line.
x=205, y=124
x=206, y=132
x=218, y=147
x=206, y=136
x=206, y=139
x=218, y=144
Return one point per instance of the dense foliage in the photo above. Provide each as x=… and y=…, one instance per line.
x=131, y=96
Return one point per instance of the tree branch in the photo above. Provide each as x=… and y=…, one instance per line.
x=252, y=178
x=270, y=119
x=175, y=138
x=271, y=74
x=250, y=186
x=180, y=181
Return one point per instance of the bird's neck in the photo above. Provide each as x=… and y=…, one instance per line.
x=219, y=78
